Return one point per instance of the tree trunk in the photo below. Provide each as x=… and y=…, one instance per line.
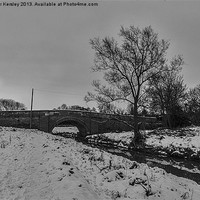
x=136, y=127
x=137, y=135
x=168, y=113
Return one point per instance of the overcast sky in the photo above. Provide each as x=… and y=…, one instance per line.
x=47, y=48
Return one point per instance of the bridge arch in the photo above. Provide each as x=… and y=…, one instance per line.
x=82, y=127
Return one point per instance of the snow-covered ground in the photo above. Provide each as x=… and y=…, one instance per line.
x=63, y=129
x=36, y=165
x=183, y=142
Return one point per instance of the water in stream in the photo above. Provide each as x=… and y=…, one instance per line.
x=180, y=167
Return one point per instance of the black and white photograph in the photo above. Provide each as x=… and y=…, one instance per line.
x=99, y=100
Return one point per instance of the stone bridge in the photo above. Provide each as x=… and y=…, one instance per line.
x=88, y=123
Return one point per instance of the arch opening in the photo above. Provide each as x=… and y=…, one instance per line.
x=69, y=128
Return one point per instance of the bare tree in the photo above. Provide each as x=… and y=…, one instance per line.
x=127, y=67
x=193, y=99
x=167, y=90
x=192, y=104
x=9, y=104
x=74, y=107
x=63, y=107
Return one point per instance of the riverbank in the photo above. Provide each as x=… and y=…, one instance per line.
x=37, y=165
x=180, y=143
